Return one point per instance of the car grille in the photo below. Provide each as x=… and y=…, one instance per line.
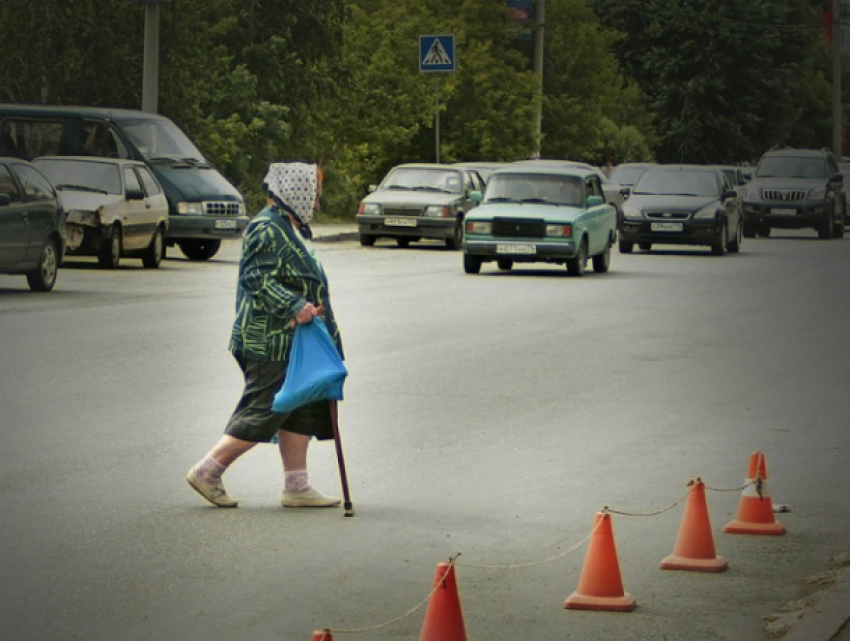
x=668, y=215
x=220, y=208
x=402, y=211
x=784, y=194
x=519, y=228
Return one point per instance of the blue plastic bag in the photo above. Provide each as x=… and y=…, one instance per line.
x=315, y=371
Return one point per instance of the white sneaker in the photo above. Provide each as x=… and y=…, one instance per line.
x=213, y=492
x=308, y=498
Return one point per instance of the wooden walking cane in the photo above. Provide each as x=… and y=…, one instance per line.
x=349, y=509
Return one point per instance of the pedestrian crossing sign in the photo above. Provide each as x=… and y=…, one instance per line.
x=436, y=53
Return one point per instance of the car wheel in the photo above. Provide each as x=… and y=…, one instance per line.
x=601, y=262
x=456, y=239
x=403, y=242
x=199, y=249
x=155, y=251
x=749, y=230
x=575, y=266
x=366, y=240
x=625, y=248
x=720, y=246
x=43, y=278
x=645, y=246
x=471, y=264
x=763, y=231
x=735, y=245
x=110, y=250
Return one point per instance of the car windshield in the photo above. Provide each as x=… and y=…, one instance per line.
x=81, y=175
x=161, y=139
x=552, y=189
x=791, y=167
x=675, y=182
x=626, y=175
x=446, y=181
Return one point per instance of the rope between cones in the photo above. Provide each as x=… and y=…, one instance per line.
x=532, y=563
x=452, y=563
x=758, y=482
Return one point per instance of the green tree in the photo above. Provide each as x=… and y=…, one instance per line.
x=725, y=80
x=590, y=111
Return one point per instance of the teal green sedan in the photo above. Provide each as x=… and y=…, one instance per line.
x=540, y=213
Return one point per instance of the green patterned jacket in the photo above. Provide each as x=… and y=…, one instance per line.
x=277, y=277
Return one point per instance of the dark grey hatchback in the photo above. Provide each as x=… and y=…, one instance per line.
x=682, y=205
x=32, y=224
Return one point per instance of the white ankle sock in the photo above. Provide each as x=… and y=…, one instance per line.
x=296, y=481
x=209, y=469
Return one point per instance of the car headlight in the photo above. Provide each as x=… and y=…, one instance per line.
x=370, y=209
x=243, y=209
x=818, y=193
x=479, y=227
x=706, y=213
x=437, y=211
x=752, y=192
x=559, y=231
x=190, y=209
x=632, y=212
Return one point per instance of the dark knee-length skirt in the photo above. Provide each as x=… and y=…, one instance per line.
x=253, y=419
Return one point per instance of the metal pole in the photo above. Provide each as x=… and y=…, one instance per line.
x=150, y=78
x=539, y=36
x=837, y=127
x=437, y=116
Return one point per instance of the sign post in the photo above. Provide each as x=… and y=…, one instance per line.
x=437, y=54
x=150, y=75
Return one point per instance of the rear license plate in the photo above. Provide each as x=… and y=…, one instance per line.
x=516, y=249
x=400, y=222
x=666, y=226
x=782, y=211
x=225, y=224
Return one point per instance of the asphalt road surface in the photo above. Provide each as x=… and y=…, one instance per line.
x=487, y=415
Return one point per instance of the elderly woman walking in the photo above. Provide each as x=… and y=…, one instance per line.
x=281, y=283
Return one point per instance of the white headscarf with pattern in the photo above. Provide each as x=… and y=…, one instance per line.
x=295, y=184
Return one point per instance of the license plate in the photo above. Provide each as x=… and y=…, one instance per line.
x=225, y=224
x=400, y=222
x=667, y=227
x=516, y=249
x=782, y=211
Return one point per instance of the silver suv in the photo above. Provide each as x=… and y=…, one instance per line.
x=795, y=189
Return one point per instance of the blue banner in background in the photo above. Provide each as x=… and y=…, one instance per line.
x=521, y=14
x=520, y=10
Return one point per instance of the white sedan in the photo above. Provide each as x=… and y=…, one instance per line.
x=114, y=208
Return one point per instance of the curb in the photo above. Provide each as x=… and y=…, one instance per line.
x=828, y=616
x=336, y=237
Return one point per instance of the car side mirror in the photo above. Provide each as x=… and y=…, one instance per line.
x=5, y=200
x=373, y=188
x=135, y=194
x=626, y=192
x=594, y=201
x=731, y=193
x=475, y=196
x=839, y=178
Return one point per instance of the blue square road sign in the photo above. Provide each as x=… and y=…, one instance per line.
x=436, y=53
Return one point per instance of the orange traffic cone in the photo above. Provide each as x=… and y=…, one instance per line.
x=600, y=586
x=755, y=511
x=322, y=635
x=444, y=618
x=694, y=549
